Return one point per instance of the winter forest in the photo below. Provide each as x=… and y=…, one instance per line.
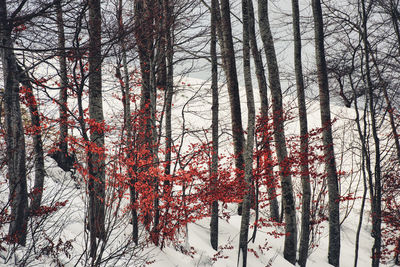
x=199, y=133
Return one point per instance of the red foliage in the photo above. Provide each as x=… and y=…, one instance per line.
x=46, y=210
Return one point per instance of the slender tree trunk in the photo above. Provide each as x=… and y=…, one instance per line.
x=15, y=142
x=333, y=191
x=214, y=126
x=63, y=143
x=228, y=54
x=377, y=196
x=169, y=87
x=357, y=242
x=126, y=99
x=144, y=33
x=263, y=91
x=159, y=74
x=364, y=158
x=37, y=141
x=130, y=144
x=96, y=158
x=290, y=246
x=305, y=177
x=248, y=154
x=154, y=146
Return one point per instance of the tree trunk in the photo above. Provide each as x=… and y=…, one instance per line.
x=290, y=246
x=63, y=97
x=96, y=158
x=144, y=33
x=228, y=54
x=130, y=144
x=14, y=132
x=37, y=141
x=169, y=87
x=334, y=220
x=126, y=101
x=214, y=126
x=364, y=161
x=159, y=75
x=263, y=91
x=248, y=154
x=305, y=177
x=377, y=196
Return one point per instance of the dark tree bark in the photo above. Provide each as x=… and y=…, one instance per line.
x=305, y=177
x=290, y=246
x=63, y=97
x=332, y=178
x=169, y=85
x=37, y=140
x=169, y=88
x=145, y=34
x=159, y=76
x=15, y=142
x=377, y=188
x=214, y=125
x=263, y=91
x=126, y=99
x=248, y=153
x=365, y=164
x=229, y=62
x=96, y=159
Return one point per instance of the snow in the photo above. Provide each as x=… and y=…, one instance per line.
x=193, y=247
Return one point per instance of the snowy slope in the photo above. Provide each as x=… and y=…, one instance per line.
x=192, y=248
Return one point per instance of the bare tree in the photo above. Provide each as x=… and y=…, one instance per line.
x=229, y=64
x=96, y=159
x=214, y=125
x=63, y=97
x=290, y=246
x=37, y=139
x=377, y=188
x=263, y=91
x=248, y=153
x=305, y=177
x=15, y=140
x=334, y=220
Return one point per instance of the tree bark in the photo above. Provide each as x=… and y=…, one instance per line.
x=304, y=168
x=37, y=141
x=126, y=101
x=15, y=142
x=169, y=87
x=364, y=161
x=214, y=126
x=263, y=91
x=144, y=33
x=63, y=97
x=96, y=158
x=228, y=54
x=290, y=246
x=334, y=220
x=377, y=190
x=248, y=153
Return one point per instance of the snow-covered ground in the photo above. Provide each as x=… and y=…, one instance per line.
x=64, y=232
x=193, y=249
